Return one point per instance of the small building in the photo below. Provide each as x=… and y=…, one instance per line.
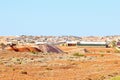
x=84, y=43
x=71, y=43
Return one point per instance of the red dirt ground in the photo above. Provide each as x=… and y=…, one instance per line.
x=94, y=66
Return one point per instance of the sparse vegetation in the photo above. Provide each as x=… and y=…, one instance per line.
x=13, y=69
x=115, y=78
x=102, y=52
x=17, y=59
x=49, y=68
x=117, y=51
x=113, y=43
x=2, y=46
x=108, y=51
x=101, y=77
x=102, y=55
x=33, y=52
x=23, y=72
x=78, y=55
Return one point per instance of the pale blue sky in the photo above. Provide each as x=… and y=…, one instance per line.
x=60, y=17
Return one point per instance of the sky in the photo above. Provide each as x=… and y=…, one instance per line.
x=60, y=17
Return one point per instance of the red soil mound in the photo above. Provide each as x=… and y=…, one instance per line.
x=34, y=49
x=41, y=48
x=25, y=49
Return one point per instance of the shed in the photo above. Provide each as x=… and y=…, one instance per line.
x=71, y=43
x=84, y=43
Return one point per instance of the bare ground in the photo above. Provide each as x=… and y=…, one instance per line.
x=39, y=66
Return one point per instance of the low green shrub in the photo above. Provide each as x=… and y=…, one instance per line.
x=49, y=69
x=117, y=51
x=102, y=55
x=23, y=72
x=34, y=52
x=115, y=78
x=78, y=55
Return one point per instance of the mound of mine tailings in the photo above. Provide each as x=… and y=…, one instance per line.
x=24, y=49
x=49, y=48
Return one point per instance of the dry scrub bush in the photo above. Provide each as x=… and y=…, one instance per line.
x=78, y=55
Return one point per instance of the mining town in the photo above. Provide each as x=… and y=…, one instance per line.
x=59, y=57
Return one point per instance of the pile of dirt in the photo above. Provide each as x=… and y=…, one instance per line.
x=49, y=48
x=24, y=49
x=45, y=48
